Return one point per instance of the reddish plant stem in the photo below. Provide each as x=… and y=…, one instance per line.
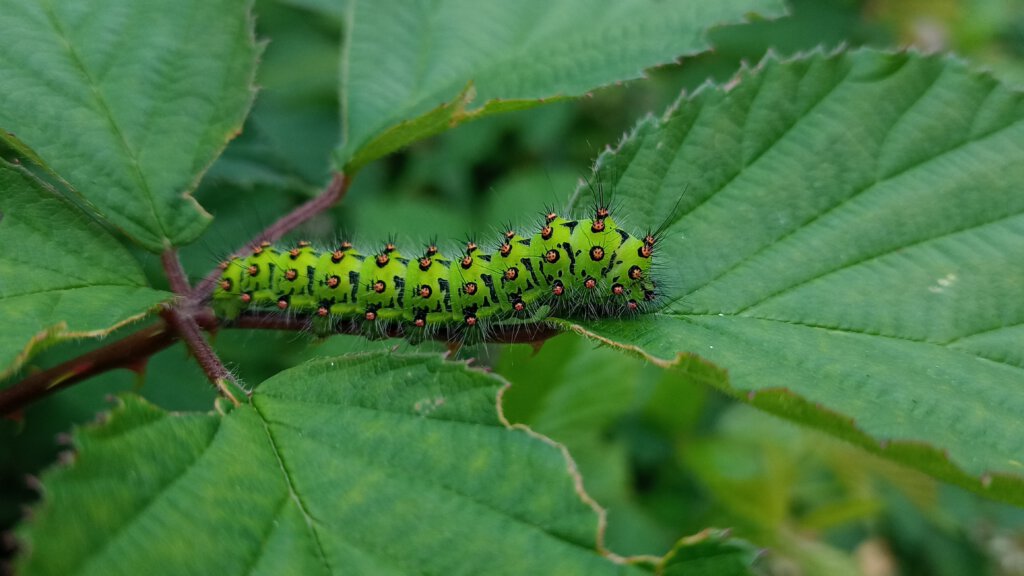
x=189, y=332
x=182, y=319
x=175, y=273
x=185, y=319
x=334, y=192
x=125, y=353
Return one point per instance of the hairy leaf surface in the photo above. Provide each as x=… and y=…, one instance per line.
x=128, y=102
x=848, y=244
x=62, y=276
x=411, y=73
x=374, y=464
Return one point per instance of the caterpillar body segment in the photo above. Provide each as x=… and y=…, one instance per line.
x=227, y=296
x=258, y=277
x=294, y=277
x=337, y=281
x=518, y=272
x=579, y=267
x=428, y=300
x=382, y=285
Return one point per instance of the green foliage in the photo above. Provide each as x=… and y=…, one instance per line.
x=128, y=102
x=843, y=249
x=851, y=233
x=415, y=72
x=370, y=463
x=62, y=276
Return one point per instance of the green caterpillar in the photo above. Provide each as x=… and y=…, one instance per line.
x=569, y=267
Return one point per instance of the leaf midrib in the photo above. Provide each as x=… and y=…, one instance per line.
x=109, y=117
x=844, y=330
x=292, y=492
x=401, y=473
x=265, y=537
x=873, y=257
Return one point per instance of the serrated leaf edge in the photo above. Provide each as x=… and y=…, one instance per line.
x=937, y=463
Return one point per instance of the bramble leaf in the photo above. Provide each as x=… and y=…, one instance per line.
x=375, y=463
x=128, y=102
x=415, y=72
x=62, y=276
x=849, y=247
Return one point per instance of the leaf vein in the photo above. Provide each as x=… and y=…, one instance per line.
x=810, y=221
x=846, y=330
x=959, y=339
x=401, y=474
x=95, y=553
x=108, y=115
x=875, y=256
x=309, y=520
x=265, y=537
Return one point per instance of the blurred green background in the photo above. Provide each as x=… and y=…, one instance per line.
x=666, y=458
